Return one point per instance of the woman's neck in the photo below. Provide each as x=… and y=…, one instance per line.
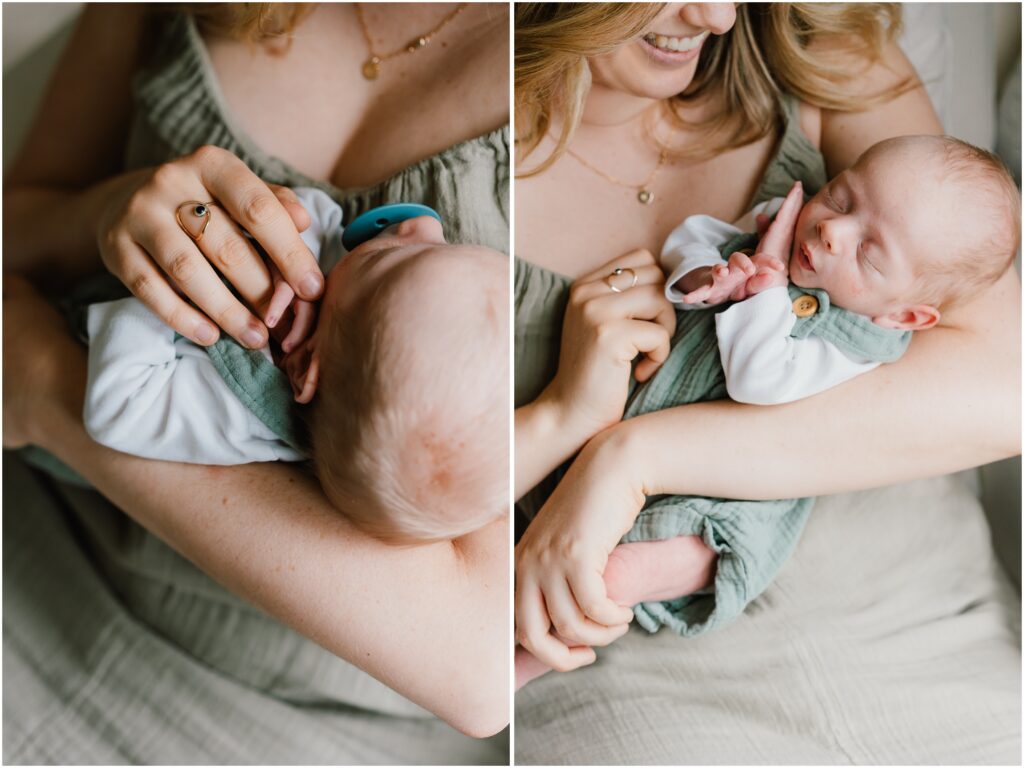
x=606, y=107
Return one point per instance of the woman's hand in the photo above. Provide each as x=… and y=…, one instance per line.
x=142, y=243
x=561, y=558
x=604, y=332
x=44, y=367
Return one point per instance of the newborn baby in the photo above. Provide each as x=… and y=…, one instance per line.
x=405, y=374
x=918, y=224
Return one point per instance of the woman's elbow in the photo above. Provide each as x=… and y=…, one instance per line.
x=481, y=722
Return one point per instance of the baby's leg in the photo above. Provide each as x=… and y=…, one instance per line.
x=639, y=572
x=527, y=667
x=644, y=571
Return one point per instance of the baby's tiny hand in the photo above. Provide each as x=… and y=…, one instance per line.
x=303, y=316
x=771, y=273
x=726, y=282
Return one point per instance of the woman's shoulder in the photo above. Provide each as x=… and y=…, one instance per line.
x=895, y=104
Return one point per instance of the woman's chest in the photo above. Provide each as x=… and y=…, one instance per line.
x=312, y=108
x=572, y=219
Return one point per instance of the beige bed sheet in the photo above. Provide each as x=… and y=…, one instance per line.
x=891, y=637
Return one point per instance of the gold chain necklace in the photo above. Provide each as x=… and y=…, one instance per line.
x=371, y=67
x=644, y=193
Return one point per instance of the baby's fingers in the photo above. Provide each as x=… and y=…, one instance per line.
x=302, y=324
x=698, y=295
x=283, y=295
x=776, y=240
x=740, y=261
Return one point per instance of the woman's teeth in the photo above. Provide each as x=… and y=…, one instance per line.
x=681, y=44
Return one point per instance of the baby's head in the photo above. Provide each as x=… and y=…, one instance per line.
x=410, y=363
x=916, y=225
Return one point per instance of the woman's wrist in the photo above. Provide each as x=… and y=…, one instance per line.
x=54, y=232
x=621, y=450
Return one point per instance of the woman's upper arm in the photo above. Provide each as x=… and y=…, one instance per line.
x=429, y=621
x=79, y=132
x=845, y=135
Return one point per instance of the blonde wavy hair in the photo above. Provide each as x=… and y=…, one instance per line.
x=769, y=51
x=248, y=22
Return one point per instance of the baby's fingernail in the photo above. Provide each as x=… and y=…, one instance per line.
x=252, y=338
x=311, y=284
x=205, y=333
x=271, y=320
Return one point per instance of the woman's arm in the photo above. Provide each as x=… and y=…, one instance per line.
x=952, y=402
x=429, y=621
x=615, y=314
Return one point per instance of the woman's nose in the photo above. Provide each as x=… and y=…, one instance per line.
x=718, y=17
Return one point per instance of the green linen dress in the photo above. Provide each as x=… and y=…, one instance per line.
x=119, y=650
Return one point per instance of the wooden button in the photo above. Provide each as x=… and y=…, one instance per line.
x=746, y=251
x=805, y=306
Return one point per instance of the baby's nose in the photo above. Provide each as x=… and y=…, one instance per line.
x=833, y=234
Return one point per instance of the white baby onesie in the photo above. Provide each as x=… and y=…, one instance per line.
x=151, y=395
x=763, y=364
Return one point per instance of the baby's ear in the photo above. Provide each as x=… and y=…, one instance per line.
x=302, y=365
x=919, y=317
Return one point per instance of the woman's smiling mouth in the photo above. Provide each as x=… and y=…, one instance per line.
x=675, y=44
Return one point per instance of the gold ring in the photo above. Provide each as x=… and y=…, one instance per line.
x=194, y=217
x=621, y=271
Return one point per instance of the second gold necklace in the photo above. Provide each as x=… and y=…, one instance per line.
x=644, y=191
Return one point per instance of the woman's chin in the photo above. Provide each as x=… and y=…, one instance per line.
x=659, y=74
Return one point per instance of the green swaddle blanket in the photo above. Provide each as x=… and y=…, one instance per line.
x=752, y=538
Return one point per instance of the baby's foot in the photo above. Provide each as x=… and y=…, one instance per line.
x=527, y=667
x=658, y=570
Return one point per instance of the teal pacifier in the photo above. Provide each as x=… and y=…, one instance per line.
x=368, y=225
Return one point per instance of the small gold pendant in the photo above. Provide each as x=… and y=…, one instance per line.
x=645, y=196
x=371, y=68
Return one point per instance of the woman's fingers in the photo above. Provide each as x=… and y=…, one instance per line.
x=291, y=203
x=178, y=256
x=236, y=258
x=568, y=621
x=633, y=260
x=149, y=285
x=533, y=632
x=645, y=302
x=584, y=290
x=640, y=337
x=259, y=211
x=587, y=585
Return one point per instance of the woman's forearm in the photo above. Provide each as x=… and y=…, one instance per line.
x=431, y=621
x=50, y=232
x=543, y=441
x=951, y=403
